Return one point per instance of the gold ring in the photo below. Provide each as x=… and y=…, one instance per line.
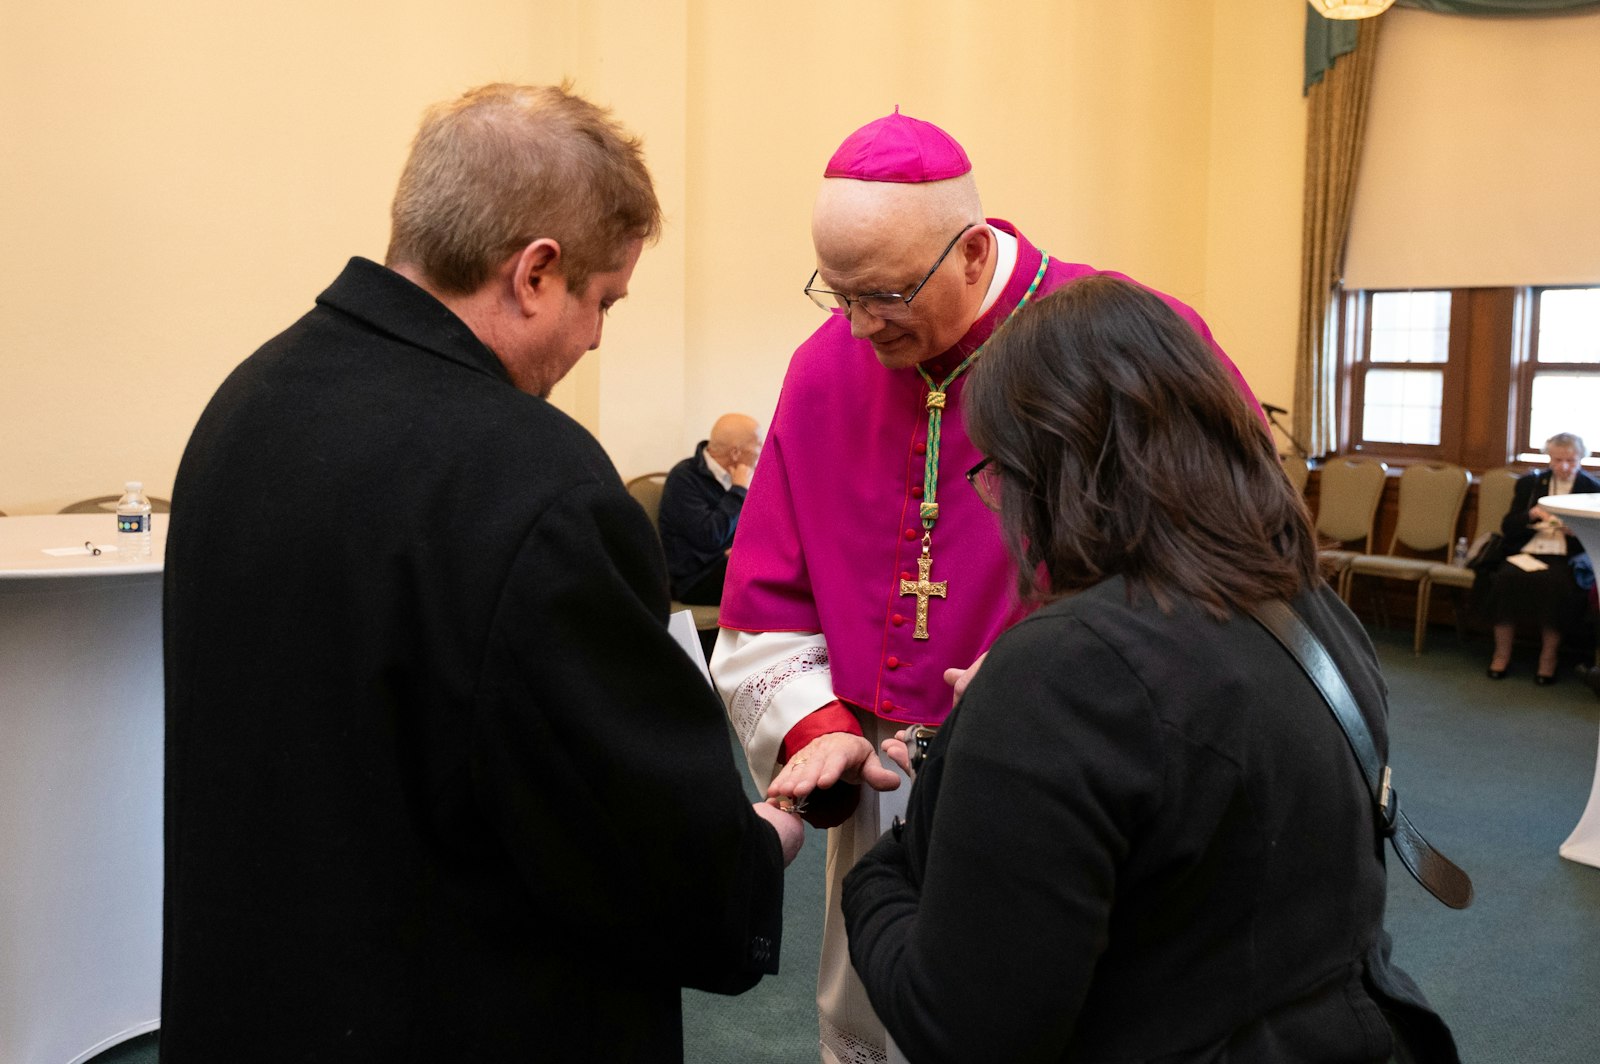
x=802, y=759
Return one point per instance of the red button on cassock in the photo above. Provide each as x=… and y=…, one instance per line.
x=897, y=620
x=921, y=448
x=916, y=491
x=886, y=705
x=911, y=533
x=892, y=662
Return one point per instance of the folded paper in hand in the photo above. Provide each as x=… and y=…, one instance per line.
x=1527, y=563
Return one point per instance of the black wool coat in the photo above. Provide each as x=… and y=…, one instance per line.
x=439, y=785
x=1515, y=532
x=1139, y=837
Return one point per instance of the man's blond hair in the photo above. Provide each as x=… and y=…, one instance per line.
x=506, y=165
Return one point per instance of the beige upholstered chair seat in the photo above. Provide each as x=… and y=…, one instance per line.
x=1496, y=488
x=1391, y=568
x=1431, y=494
x=1457, y=576
x=1347, y=503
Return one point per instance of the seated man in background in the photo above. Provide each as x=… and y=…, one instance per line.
x=700, y=506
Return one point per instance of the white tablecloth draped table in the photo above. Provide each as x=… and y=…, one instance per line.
x=80, y=789
x=1581, y=513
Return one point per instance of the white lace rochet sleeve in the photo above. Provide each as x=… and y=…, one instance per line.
x=769, y=681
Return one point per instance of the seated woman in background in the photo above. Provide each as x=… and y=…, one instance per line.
x=1141, y=833
x=1549, y=597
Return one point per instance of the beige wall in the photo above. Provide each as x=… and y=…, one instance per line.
x=182, y=179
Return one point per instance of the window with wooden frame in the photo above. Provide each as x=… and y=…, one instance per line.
x=1502, y=370
x=1403, y=385
x=1559, y=379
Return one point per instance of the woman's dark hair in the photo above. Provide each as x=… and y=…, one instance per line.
x=1124, y=448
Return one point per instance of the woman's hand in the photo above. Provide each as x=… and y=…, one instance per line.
x=960, y=678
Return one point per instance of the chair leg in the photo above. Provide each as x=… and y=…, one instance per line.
x=1424, y=600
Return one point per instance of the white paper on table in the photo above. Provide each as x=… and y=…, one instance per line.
x=681, y=627
x=67, y=552
x=1527, y=563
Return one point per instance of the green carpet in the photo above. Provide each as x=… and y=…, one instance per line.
x=1494, y=773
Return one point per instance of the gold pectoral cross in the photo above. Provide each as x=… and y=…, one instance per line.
x=922, y=587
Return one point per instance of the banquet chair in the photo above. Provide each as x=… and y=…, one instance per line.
x=1297, y=470
x=1496, y=487
x=1431, y=494
x=107, y=504
x=1347, y=505
x=646, y=491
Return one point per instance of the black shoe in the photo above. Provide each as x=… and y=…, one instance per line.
x=1543, y=681
x=1498, y=674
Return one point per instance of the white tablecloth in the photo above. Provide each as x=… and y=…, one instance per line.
x=80, y=790
x=1582, y=514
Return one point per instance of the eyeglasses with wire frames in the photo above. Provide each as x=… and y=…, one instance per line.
x=985, y=480
x=885, y=305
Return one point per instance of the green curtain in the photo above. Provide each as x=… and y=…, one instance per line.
x=1336, y=115
x=1498, y=7
x=1328, y=39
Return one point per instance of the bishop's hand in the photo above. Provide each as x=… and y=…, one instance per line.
x=829, y=759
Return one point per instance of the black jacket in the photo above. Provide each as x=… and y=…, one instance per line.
x=439, y=784
x=1531, y=487
x=1138, y=837
x=697, y=520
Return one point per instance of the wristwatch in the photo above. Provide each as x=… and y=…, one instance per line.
x=918, y=742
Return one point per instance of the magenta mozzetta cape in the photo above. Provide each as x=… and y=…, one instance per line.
x=832, y=525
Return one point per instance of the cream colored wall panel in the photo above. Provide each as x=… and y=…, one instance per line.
x=1483, y=148
x=182, y=180
x=1087, y=124
x=1254, y=195
x=187, y=178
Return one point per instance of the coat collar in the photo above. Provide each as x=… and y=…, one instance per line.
x=391, y=304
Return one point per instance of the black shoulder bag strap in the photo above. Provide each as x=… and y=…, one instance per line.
x=1428, y=866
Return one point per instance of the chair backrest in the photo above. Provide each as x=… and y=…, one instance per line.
x=1431, y=494
x=107, y=504
x=1347, y=501
x=1496, y=489
x=1295, y=468
x=646, y=491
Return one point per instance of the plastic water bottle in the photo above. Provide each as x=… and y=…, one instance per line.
x=133, y=522
x=1461, y=551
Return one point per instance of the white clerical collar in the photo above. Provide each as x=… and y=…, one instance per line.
x=722, y=476
x=1005, y=260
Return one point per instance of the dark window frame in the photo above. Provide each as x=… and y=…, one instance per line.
x=1526, y=366
x=1355, y=329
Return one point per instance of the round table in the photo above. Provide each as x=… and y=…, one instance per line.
x=1581, y=513
x=81, y=727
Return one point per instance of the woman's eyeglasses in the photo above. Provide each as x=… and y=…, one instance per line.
x=985, y=480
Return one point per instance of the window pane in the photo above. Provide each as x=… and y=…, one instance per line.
x=1564, y=402
x=1402, y=406
x=1569, y=325
x=1410, y=326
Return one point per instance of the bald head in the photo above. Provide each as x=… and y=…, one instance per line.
x=733, y=433
x=883, y=236
x=854, y=221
